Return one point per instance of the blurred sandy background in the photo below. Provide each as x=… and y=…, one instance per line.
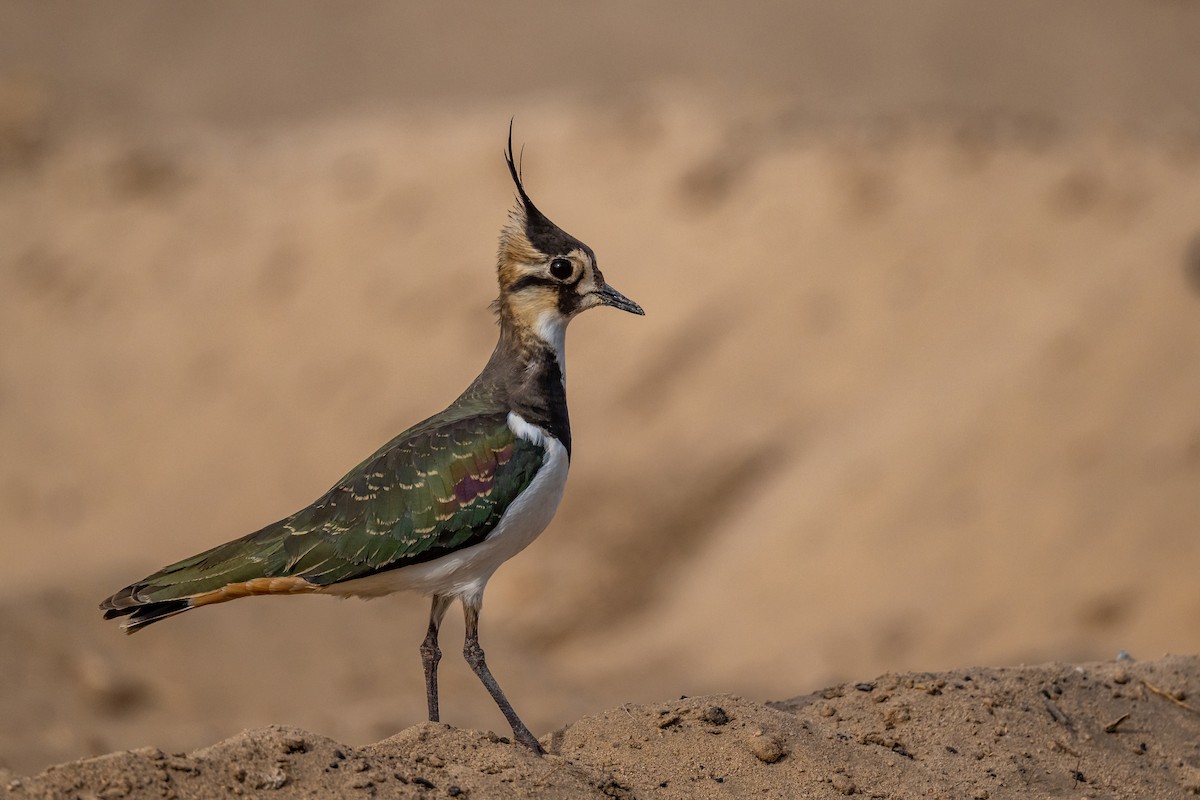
x=918, y=385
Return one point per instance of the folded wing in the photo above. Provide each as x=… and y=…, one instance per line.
x=435, y=489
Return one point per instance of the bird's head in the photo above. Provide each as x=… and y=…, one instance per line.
x=546, y=275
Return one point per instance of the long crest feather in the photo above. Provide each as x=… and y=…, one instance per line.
x=546, y=237
x=515, y=169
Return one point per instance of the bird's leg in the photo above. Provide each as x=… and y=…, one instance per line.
x=431, y=654
x=473, y=653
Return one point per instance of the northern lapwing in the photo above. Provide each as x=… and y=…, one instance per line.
x=440, y=507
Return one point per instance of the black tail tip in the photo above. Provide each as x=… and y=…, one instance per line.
x=147, y=614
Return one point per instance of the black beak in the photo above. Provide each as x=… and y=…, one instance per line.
x=611, y=297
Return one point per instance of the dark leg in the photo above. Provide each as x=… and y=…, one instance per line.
x=431, y=654
x=474, y=655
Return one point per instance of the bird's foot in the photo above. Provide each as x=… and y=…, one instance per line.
x=523, y=735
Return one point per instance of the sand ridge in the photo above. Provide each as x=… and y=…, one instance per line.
x=1101, y=730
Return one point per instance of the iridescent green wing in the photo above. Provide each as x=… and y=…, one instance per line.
x=425, y=495
x=438, y=487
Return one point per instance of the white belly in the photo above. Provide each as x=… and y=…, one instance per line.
x=465, y=572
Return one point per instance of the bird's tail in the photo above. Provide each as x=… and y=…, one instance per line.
x=227, y=572
x=139, y=604
x=144, y=614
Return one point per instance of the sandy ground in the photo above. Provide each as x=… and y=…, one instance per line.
x=1111, y=730
x=916, y=387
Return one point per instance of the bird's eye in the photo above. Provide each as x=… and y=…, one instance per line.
x=561, y=268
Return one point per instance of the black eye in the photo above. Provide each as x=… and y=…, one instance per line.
x=561, y=268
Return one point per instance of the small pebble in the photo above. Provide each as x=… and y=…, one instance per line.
x=715, y=715
x=843, y=784
x=766, y=748
x=294, y=744
x=273, y=779
x=897, y=715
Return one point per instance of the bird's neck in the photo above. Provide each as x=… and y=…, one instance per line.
x=526, y=373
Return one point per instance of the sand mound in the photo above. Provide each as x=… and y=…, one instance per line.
x=1117, y=729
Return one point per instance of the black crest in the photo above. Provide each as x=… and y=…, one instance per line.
x=543, y=234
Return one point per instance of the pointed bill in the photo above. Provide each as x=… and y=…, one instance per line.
x=611, y=297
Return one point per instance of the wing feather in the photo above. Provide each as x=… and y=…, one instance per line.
x=435, y=489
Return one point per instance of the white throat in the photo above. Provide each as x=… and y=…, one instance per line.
x=551, y=328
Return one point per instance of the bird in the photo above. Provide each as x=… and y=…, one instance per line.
x=442, y=505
